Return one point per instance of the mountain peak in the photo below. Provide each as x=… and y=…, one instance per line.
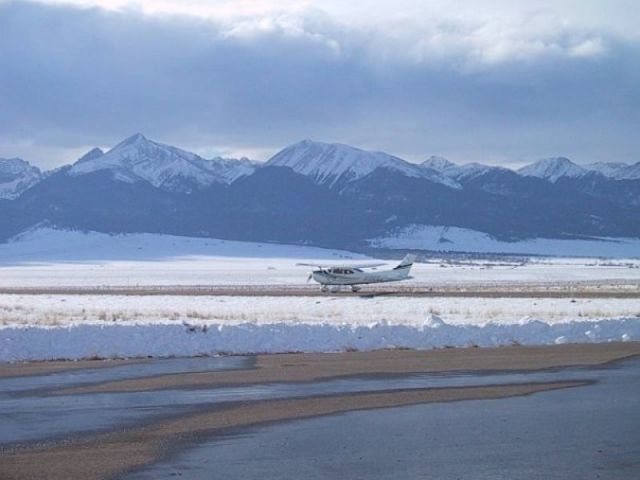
x=133, y=139
x=439, y=164
x=16, y=166
x=139, y=159
x=16, y=176
x=136, y=143
x=13, y=163
x=90, y=155
x=552, y=169
x=334, y=164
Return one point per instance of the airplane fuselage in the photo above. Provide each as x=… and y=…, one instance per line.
x=355, y=276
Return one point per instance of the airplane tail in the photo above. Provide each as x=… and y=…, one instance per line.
x=406, y=262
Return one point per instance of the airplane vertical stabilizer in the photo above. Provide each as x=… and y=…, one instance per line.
x=407, y=261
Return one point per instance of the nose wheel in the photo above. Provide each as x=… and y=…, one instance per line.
x=355, y=288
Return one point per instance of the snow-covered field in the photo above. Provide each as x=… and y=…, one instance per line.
x=52, y=258
x=45, y=258
x=78, y=326
x=453, y=239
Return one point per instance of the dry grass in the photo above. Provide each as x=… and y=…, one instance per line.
x=455, y=310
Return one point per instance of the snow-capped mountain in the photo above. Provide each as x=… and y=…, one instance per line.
x=630, y=172
x=552, y=169
x=230, y=169
x=616, y=170
x=295, y=196
x=459, y=173
x=439, y=164
x=140, y=159
x=334, y=164
x=90, y=155
x=16, y=176
x=472, y=170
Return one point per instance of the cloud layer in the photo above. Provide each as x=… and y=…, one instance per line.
x=499, y=84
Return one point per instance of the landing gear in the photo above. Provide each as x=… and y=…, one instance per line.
x=338, y=288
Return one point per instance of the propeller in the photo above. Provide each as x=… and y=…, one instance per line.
x=309, y=277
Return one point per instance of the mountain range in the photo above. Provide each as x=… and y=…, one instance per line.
x=316, y=193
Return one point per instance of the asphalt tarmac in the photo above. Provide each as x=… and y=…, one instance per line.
x=177, y=417
x=592, y=431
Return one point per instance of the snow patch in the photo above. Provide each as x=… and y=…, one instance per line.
x=455, y=239
x=51, y=245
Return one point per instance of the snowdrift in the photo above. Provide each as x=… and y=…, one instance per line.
x=186, y=339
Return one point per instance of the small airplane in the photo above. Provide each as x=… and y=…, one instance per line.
x=354, y=275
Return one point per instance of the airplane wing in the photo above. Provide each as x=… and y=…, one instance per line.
x=352, y=265
x=364, y=265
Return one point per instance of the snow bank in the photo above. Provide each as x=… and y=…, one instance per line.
x=453, y=239
x=188, y=339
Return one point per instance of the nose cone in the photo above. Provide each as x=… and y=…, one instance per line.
x=318, y=276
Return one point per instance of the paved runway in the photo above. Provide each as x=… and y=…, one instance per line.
x=574, y=289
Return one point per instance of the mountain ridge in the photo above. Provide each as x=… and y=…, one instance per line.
x=170, y=168
x=335, y=164
x=318, y=193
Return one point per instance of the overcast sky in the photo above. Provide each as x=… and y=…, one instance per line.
x=494, y=81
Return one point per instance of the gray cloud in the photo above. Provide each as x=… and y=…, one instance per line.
x=73, y=77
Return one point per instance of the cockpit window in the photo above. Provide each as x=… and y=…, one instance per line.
x=340, y=271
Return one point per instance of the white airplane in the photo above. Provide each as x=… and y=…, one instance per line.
x=354, y=275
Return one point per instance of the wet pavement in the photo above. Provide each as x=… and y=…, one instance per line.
x=106, y=373
x=585, y=432
x=31, y=411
